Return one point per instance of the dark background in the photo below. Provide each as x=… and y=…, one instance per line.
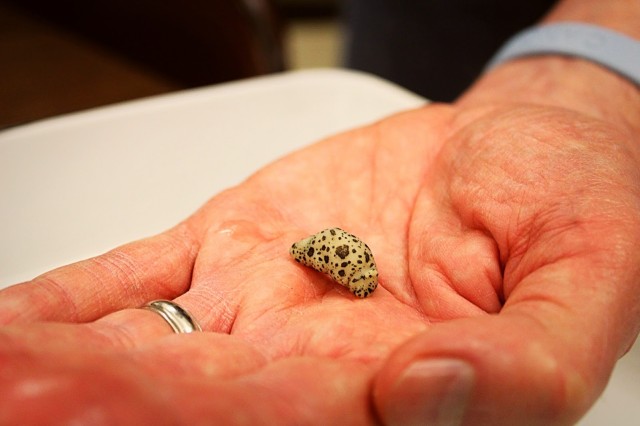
x=68, y=55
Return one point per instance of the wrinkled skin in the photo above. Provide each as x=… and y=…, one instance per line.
x=505, y=236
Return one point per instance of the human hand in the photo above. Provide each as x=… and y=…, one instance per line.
x=544, y=161
x=291, y=347
x=504, y=235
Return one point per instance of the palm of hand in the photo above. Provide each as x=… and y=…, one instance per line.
x=459, y=209
x=460, y=213
x=366, y=182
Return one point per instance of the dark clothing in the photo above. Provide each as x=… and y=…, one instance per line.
x=435, y=48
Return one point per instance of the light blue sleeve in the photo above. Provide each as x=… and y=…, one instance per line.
x=615, y=51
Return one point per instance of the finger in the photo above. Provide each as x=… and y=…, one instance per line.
x=125, y=330
x=455, y=267
x=52, y=383
x=232, y=264
x=132, y=328
x=157, y=267
x=195, y=355
x=543, y=360
x=212, y=292
x=75, y=388
x=191, y=384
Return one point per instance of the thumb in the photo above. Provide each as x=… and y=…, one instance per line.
x=539, y=361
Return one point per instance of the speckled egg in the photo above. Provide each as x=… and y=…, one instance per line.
x=343, y=256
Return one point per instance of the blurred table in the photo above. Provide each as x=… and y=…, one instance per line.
x=77, y=185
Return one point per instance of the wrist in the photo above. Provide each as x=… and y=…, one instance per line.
x=572, y=83
x=559, y=81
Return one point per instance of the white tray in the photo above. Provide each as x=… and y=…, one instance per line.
x=77, y=185
x=80, y=184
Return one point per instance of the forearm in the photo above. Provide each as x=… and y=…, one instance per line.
x=570, y=82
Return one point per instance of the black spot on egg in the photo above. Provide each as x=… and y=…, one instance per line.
x=343, y=251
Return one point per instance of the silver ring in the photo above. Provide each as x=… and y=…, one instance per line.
x=176, y=316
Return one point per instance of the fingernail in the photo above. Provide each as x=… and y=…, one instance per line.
x=430, y=392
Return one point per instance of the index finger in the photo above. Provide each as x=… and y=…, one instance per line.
x=126, y=277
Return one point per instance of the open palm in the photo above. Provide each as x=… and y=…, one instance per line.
x=485, y=240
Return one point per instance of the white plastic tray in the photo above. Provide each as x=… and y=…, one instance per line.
x=77, y=185
x=80, y=184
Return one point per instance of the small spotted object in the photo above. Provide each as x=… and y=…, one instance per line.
x=343, y=256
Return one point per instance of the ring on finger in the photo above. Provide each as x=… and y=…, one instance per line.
x=178, y=318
